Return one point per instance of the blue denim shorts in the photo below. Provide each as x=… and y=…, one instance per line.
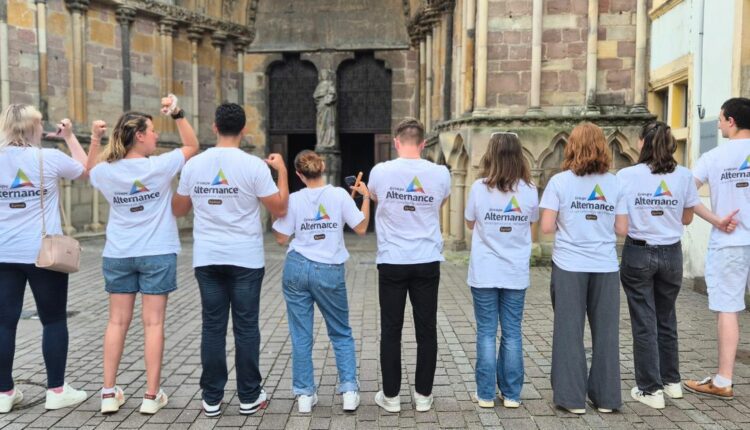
x=152, y=274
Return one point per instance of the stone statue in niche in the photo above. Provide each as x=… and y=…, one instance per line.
x=325, y=100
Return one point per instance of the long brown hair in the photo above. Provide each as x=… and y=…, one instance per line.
x=503, y=164
x=309, y=164
x=123, y=135
x=586, y=152
x=658, y=148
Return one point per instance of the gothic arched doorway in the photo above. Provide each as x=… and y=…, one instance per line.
x=291, y=110
x=364, y=114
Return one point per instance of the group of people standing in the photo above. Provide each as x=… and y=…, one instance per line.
x=585, y=206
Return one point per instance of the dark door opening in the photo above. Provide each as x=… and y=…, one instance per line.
x=297, y=143
x=358, y=155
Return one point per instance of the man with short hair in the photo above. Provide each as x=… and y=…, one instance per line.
x=726, y=169
x=409, y=191
x=225, y=186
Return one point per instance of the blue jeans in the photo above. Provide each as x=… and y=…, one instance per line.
x=222, y=287
x=506, y=306
x=306, y=282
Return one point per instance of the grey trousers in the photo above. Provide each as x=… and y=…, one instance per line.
x=575, y=295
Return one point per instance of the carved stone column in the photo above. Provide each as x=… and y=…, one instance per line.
x=125, y=17
x=468, y=55
x=195, y=34
x=422, y=81
x=480, y=91
x=641, y=40
x=239, y=49
x=458, y=183
x=41, y=31
x=96, y=225
x=4, y=67
x=218, y=40
x=536, y=59
x=166, y=81
x=591, y=58
x=77, y=10
x=428, y=82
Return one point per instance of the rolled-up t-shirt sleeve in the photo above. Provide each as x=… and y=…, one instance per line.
x=263, y=183
x=470, y=204
x=286, y=224
x=183, y=187
x=550, y=198
x=64, y=166
x=351, y=214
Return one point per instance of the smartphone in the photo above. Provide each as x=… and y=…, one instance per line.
x=350, y=180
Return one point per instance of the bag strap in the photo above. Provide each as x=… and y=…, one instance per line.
x=42, y=195
x=42, y=190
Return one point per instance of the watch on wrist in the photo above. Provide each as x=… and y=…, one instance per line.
x=179, y=114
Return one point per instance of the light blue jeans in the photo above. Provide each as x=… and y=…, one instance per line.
x=306, y=282
x=506, y=365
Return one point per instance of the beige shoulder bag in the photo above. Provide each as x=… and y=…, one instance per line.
x=58, y=252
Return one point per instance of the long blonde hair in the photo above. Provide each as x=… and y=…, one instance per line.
x=123, y=135
x=18, y=126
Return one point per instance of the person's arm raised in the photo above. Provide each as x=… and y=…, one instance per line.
x=278, y=203
x=190, y=145
x=361, y=228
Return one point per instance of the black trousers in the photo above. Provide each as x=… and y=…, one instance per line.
x=420, y=281
x=651, y=277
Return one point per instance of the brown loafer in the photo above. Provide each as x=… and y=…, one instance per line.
x=707, y=388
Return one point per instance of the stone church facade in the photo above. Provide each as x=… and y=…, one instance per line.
x=466, y=68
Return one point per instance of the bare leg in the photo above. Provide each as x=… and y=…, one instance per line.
x=154, y=310
x=728, y=327
x=120, y=315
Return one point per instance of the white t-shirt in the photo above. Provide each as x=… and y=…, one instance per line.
x=139, y=193
x=501, y=241
x=225, y=185
x=726, y=169
x=316, y=217
x=407, y=218
x=586, y=207
x=20, y=210
x=655, y=202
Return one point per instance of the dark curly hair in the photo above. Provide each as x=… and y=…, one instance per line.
x=230, y=119
x=658, y=148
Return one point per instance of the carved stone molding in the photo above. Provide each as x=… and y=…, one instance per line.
x=218, y=39
x=125, y=15
x=78, y=5
x=167, y=26
x=426, y=17
x=240, y=45
x=195, y=33
x=186, y=17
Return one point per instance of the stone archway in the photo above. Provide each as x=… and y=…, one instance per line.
x=551, y=159
x=620, y=157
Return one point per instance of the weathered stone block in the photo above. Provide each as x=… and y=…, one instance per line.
x=503, y=83
x=619, y=79
x=554, y=36
x=626, y=49
x=609, y=64
x=102, y=32
x=607, y=49
x=20, y=14
x=550, y=81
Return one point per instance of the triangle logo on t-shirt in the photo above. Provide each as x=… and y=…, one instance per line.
x=663, y=190
x=138, y=187
x=415, y=186
x=322, y=214
x=746, y=163
x=597, y=194
x=220, y=179
x=512, y=205
x=21, y=180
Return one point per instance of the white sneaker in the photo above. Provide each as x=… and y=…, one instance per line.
x=511, y=404
x=260, y=403
x=576, y=411
x=673, y=391
x=152, y=406
x=111, y=402
x=306, y=403
x=7, y=401
x=68, y=397
x=390, y=404
x=654, y=400
x=423, y=403
x=483, y=403
x=605, y=410
x=351, y=400
x=211, y=410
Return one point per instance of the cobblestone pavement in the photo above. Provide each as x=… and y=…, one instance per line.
x=454, y=380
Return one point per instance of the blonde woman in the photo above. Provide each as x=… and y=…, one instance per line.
x=20, y=238
x=140, y=255
x=585, y=207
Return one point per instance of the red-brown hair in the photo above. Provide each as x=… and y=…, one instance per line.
x=586, y=152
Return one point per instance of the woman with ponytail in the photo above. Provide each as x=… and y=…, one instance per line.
x=660, y=196
x=314, y=274
x=140, y=255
